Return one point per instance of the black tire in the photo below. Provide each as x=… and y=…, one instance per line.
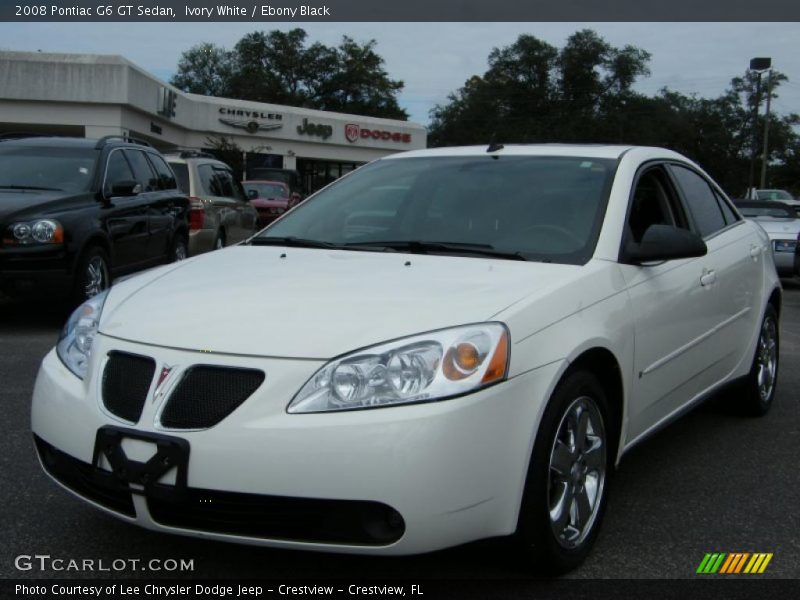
x=542, y=550
x=754, y=400
x=179, y=250
x=219, y=241
x=94, y=260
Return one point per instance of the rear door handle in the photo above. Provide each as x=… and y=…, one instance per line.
x=708, y=278
x=755, y=251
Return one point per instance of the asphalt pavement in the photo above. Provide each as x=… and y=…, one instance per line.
x=713, y=481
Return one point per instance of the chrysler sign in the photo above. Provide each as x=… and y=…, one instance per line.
x=353, y=133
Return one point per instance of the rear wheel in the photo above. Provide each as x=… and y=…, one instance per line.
x=180, y=248
x=567, y=483
x=219, y=241
x=759, y=387
x=93, y=274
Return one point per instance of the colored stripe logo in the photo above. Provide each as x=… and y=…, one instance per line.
x=734, y=563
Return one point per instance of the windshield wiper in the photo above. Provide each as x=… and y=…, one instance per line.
x=423, y=247
x=29, y=187
x=291, y=242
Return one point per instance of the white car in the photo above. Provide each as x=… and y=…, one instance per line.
x=471, y=362
x=782, y=225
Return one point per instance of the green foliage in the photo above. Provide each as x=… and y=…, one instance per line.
x=533, y=92
x=281, y=68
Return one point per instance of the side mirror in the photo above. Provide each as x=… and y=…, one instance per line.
x=126, y=188
x=252, y=194
x=665, y=242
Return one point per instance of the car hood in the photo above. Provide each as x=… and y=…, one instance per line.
x=314, y=303
x=14, y=203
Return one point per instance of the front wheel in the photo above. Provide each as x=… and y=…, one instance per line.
x=567, y=483
x=92, y=275
x=759, y=388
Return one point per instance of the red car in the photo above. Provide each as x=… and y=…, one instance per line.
x=270, y=198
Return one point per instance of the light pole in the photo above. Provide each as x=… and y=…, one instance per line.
x=765, y=151
x=759, y=65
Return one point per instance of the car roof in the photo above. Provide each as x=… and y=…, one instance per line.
x=185, y=160
x=49, y=141
x=577, y=150
x=270, y=181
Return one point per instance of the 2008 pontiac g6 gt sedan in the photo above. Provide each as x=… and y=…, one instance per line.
x=443, y=346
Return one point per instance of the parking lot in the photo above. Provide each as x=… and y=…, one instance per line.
x=712, y=482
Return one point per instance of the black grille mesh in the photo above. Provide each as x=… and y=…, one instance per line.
x=126, y=380
x=208, y=394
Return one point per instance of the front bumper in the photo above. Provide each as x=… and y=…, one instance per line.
x=437, y=474
x=29, y=270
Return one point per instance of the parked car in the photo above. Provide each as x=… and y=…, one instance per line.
x=783, y=227
x=75, y=213
x=288, y=176
x=774, y=196
x=474, y=367
x=269, y=198
x=220, y=210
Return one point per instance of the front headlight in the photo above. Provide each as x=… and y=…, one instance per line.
x=422, y=368
x=40, y=231
x=75, y=342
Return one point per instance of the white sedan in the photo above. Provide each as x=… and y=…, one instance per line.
x=465, y=357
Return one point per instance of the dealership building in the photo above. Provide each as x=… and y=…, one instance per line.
x=96, y=95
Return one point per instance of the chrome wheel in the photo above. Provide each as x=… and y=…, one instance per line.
x=219, y=243
x=767, y=359
x=577, y=472
x=96, y=276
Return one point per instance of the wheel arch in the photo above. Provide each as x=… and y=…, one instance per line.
x=776, y=299
x=603, y=364
x=96, y=239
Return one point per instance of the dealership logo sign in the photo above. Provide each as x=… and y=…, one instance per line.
x=251, y=121
x=353, y=133
x=323, y=131
x=251, y=126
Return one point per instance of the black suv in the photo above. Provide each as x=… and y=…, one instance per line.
x=74, y=213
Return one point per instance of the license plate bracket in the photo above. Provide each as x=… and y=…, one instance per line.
x=143, y=477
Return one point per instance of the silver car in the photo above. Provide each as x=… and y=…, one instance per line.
x=783, y=227
x=221, y=213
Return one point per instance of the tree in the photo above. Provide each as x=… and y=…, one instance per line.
x=534, y=92
x=281, y=68
x=204, y=69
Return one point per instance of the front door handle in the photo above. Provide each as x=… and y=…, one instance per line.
x=708, y=278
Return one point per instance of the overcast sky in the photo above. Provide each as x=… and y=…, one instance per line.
x=434, y=59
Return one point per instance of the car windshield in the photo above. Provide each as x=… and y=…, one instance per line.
x=266, y=190
x=546, y=208
x=42, y=168
x=774, y=195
